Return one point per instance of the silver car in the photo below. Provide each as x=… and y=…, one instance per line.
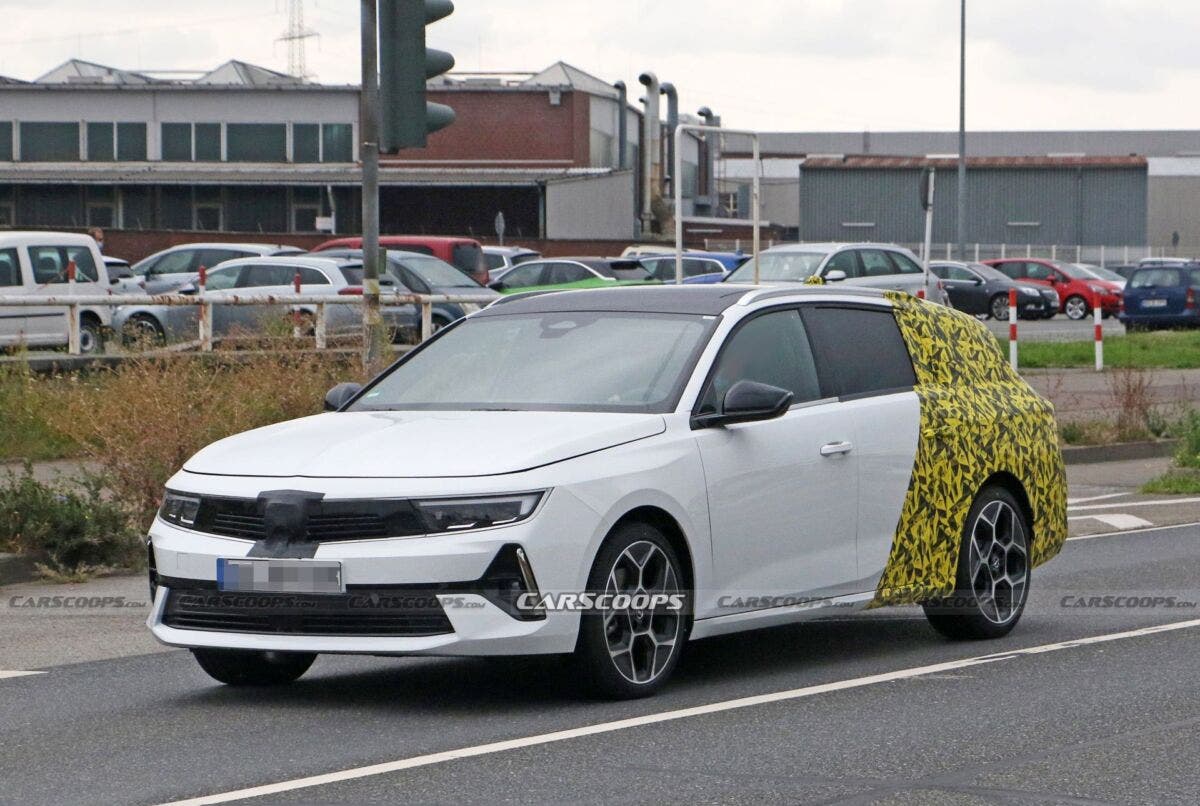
x=177, y=266
x=263, y=276
x=877, y=265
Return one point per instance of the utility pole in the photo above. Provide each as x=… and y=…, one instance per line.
x=294, y=36
x=369, y=154
x=962, y=131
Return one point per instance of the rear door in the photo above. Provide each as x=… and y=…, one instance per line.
x=12, y=319
x=526, y=275
x=862, y=359
x=1157, y=292
x=50, y=264
x=965, y=288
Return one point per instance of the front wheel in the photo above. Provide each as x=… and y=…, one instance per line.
x=999, y=307
x=993, y=571
x=240, y=667
x=91, y=337
x=625, y=652
x=143, y=327
x=1075, y=308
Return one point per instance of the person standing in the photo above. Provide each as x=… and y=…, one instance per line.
x=97, y=235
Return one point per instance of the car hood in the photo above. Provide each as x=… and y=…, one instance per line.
x=420, y=444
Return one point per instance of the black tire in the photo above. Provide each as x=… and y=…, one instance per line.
x=91, y=336
x=982, y=606
x=616, y=676
x=143, y=327
x=240, y=667
x=1076, y=308
x=998, y=307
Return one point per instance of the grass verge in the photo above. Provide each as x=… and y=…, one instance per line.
x=1165, y=349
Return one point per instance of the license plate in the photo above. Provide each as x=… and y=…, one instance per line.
x=1154, y=303
x=280, y=576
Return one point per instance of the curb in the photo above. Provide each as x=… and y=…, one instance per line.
x=1119, y=452
x=16, y=568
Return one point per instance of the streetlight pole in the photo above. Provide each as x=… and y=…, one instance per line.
x=962, y=131
x=369, y=154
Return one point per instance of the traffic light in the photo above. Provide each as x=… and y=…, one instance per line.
x=404, y=65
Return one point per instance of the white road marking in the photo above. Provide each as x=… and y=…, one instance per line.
x=1073, y=501
x=1156, y=503
x=1134, y=531
x=4, y=675
x=1116, y=520
x=664, y=716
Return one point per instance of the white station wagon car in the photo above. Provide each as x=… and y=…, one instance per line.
x=36, y=264
x=611, y=473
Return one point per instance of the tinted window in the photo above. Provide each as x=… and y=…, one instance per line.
x=306, y=142
x=904, y=264
x=50, y=264
x=100, y=144
x=220, y=279
x=49, y=142
x=131, y=142
x=208, y=142
x=466, y=256
x=261, y=275
x=875, y=263
x=844, y=261
x=524, y=276
x=211, y=257
x=494, y=261
x=177, y=142
x=10, y=269
x=353, y=274
x=311, y=276
x=771, y=348
x=1012, y=269
x=1157, y=278
x=337, y=142
x=256, y=142
x=566, y=273
x=858, y=350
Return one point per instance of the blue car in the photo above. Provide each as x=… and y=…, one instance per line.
x=698, y=267
x=1162, y=296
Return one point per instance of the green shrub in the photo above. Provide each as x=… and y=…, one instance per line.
x=68, y=527
x=25, y=433
x=1188, y=453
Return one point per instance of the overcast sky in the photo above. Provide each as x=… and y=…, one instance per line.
x=774, y=65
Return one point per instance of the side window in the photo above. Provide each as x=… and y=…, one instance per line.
x=50, y=264
x=906, y=265
x=211, y=257
x=944, y=272
x=495, y=261
x=85, y=267
x=875, y=263
x=311, y=276
x=180, y=262
x=10, y=268
x=565, y=273
x=694, y=267
x=659, y=268
x=846, y=261
x=1037, y=271
x=221, y=279
x=265, y=275
x=524, y=276
x=858, y=350
x=1014, y=269
x=770, y=348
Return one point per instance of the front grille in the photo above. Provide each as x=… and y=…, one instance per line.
x=331, y=520
x=358, y=612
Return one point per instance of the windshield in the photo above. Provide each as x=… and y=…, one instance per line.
x=988, y=272
x=1074, y=271
x=1100, y=273
x=436, y=273
x=578, y=361
x=774, y=267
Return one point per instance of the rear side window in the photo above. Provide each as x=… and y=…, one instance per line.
x=905, y=264
x=211, y=257
x=264, y=275
x=566, y=273
x=495, y=261
x=50, y=264
x=524, y=276
x=859, y=351
x=353, y=274
x=1013, y=269
x=311, y=276
x=876, y=263
x=10, y=268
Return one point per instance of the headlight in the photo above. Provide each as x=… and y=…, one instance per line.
x=455, y=514
x=1099, y=289
x=179, y=509
x=1029, y=292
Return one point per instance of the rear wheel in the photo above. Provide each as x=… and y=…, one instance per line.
x=993, y=571
x=1076, y=307
x=145, y=328
x=240, y=667
x=625, y=653
x=91, y=336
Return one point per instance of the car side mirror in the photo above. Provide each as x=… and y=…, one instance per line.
x=114, y=280
x=340, y=395
x=833, y=276
x=747, y=401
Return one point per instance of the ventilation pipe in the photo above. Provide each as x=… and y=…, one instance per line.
x=622, y=125
x=668, y=89
x=710, y=158
x=651, y=158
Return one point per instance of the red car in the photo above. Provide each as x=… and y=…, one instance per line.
x=1078, y=292
x=464, y=254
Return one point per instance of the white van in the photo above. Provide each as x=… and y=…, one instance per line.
x=35, y=263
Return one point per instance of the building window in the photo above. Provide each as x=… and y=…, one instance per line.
x=256, y=142
x=101, y=204
x=257, y=209
x=306, y=142
x=208, y=208
x=306, y=206
x=730, y=202
x=208, y=142
x=137, y=208
x=177, y=142
x=6, y=141
x=336, y=142
x=131, y=142
x=175, y=207
x=100, y=145
x=7, y=219
x=49, y=142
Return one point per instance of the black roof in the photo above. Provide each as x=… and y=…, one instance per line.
x=709, y=300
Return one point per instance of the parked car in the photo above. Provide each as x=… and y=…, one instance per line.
x=464, y=254
x=177, y=266
x=746, y=456
x=259, y=276
x=36, y=264
x=981, y=290
x=698, y=267
x=572, y=272
x=424, y=274
x=1101, y=273
x=502, y=258
x=883, y=266
x=118, y=269
x=1078, y=291
x=1150, y=262
x=1125, y=271
x=1162, y=296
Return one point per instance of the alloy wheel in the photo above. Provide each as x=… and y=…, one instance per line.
x=998, y=562
x=641, y=643
x=1075, y=308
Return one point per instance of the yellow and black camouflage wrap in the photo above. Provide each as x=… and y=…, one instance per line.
x=978, y=419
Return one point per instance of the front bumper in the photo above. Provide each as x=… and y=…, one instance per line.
x=460, y=614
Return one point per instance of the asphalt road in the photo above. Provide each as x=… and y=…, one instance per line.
x=858, y=715
x=1060, y=328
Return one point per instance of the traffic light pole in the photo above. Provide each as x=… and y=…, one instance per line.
x=369, y=154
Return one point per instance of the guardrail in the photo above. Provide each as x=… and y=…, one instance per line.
x=74, y=302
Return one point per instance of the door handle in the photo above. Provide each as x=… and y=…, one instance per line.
x=835, y=448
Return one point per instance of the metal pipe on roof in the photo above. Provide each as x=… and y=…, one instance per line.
x=622, y=124
x=668, y=89
x=650, y=145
